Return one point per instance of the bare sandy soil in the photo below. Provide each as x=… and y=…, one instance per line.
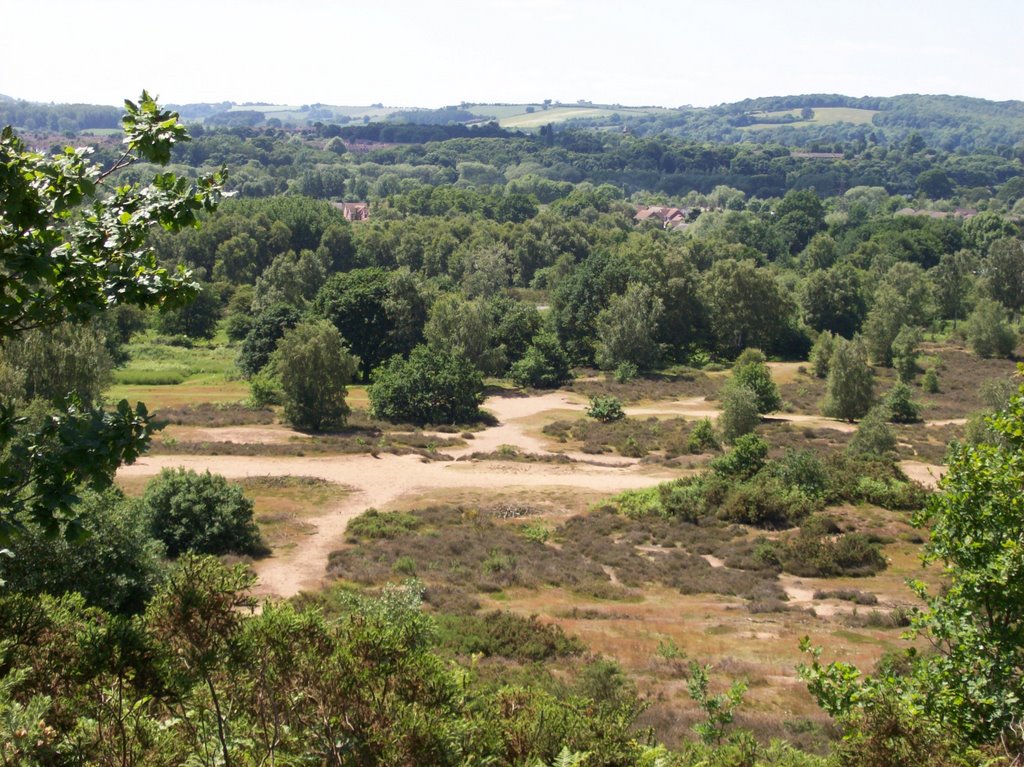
x=379, y=481
x=928, y=474
x=386, y=479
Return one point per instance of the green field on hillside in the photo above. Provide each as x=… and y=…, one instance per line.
x=822, y=116
x=558, y=114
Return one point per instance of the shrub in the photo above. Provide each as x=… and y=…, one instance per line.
x=431, y=386
x=930, y=382
x=265, y=389
x=702, y=437
x=873, y=436
x=765, y=502
x=636, y=504
x=901, y=406
x=374, y=525
x=506, y=635
x=545, y=364
x=625, y=372
x=751, y=371
x=200, y=513
x=605, y=409
x=810, y=555
x=115, y=565
x=740, y=413
x=802, y=470
x=744, y=460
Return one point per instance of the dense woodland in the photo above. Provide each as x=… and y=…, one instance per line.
x=507, y=259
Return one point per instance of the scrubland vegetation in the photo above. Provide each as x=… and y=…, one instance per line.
x=625, y=465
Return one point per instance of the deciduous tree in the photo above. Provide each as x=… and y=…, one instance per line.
x=315, y=368
x=73, y=246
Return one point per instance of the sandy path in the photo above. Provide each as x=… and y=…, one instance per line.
x=928, y=474
x=380, y=481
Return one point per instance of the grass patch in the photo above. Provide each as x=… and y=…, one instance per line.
x=283, y=505
x=165, y=377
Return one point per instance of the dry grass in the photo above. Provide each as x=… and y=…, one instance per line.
x=649, y=388
x=284, y=504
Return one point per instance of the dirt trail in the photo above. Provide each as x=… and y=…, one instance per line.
x=928, y=474
x=380, y=481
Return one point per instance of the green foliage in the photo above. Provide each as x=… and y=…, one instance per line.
x=821, y=354
x=265, y=389
x=873, y=436
x=55, y=362
x=200, y=513
x=544, y=365
x=605, y=409
x=812, y=554
x=196, y=319
x=751, y=370
x=832, y=300
x=740, y=414
x=930, y=381
x=627, y=327
x=356, y=302
x=267, y=329
x=904, y=353
x=314, y=368
x=744, y=460
x=901, y=405
x=1003, y=273
x=506, y=635
x=702, y=437
x=431, y=386
x=115, y=565
x=976, y=535
x=746, y=306
x=889, y=314
x=70, y=252
x=988, y=332
x=467, y=328
x=967, y=694
x=850, y=384
x=719, y=710
x=373, y=525
x=625, y=372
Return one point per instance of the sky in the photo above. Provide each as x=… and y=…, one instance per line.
x=433, y=53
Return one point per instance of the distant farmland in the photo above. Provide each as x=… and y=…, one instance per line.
x=822, y=116
x=521, y=119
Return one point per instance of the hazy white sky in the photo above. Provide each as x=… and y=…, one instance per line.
x=433, y=52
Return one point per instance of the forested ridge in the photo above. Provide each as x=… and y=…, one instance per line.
x=841, y=313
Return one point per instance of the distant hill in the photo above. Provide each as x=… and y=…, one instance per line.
x=821, y=121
